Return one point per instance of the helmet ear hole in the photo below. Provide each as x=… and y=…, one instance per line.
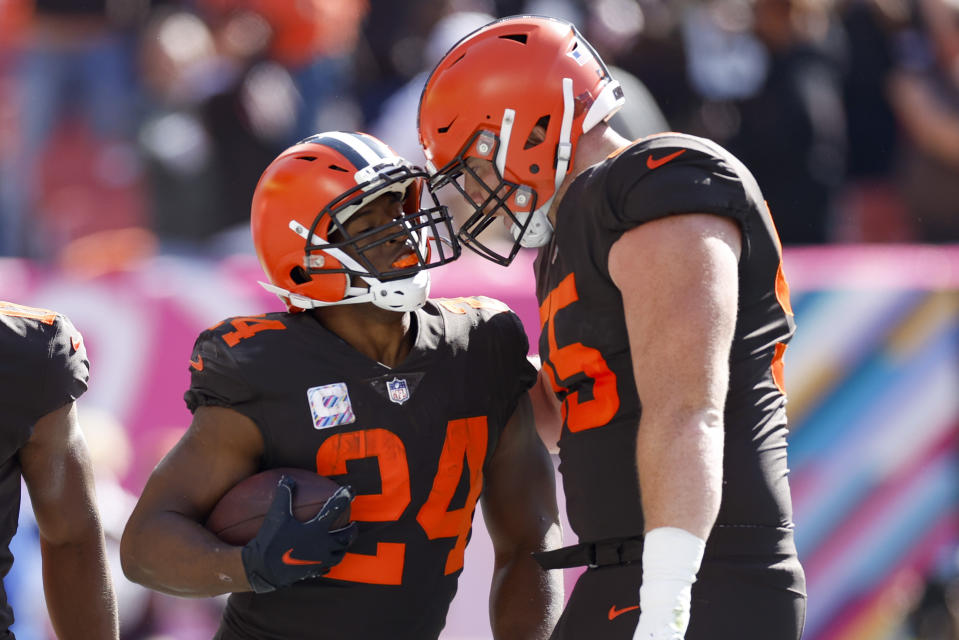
x=299, y=275
x=538, y=133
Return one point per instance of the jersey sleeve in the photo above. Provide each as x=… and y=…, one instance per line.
x=215, y=377
x=672, y=175
x=64, y=367
x=513, y=373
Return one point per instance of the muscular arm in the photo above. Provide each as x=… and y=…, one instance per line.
x=519, y=504
x=164, y=546
x=679, y=280
x=57, y=471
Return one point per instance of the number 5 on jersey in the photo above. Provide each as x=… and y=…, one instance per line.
x=566, y=362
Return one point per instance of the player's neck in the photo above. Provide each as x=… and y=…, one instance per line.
x=380, y=335
x=593, y=147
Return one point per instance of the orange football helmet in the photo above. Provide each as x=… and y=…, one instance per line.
x=484, y=99
x=307, y=194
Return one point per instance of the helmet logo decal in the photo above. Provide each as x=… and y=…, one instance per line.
x=578, y=55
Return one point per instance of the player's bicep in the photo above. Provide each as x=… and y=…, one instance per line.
x=221, y=447
x=519, y=497
x=678, y=277
x=57, y=471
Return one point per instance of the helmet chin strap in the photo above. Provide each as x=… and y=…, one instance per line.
x=539, y=229
x=403, y=294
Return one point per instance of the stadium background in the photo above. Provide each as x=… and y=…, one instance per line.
x=136, y=232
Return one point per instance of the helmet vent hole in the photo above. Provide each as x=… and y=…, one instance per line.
x=538, y=133
x=307, y=158
x=518, y=37
x=338, y=168
x=299, y=275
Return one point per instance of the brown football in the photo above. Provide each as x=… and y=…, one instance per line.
x=238, y=515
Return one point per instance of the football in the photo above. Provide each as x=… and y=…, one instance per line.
x=237, y=517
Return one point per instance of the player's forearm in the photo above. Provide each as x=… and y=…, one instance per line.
x=680, y=462
x=79, y=592
x=173, y=554
x=525, y=600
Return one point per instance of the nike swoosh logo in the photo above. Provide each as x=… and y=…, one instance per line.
x=614, y=612
x=289, y=559
x=76, y=341
x=197, y=364
x=655, y=163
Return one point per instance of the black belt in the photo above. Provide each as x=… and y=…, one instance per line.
x=724, y=541
x=602, y=553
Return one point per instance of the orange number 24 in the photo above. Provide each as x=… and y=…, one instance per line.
x=466, y=439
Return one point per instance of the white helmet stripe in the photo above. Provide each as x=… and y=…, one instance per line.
x=369, y=156
x=376, y=145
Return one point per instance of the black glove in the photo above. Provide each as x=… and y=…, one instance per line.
x=286, y=550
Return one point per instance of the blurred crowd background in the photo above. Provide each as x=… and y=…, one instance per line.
x=138, y=126
x=135, y=130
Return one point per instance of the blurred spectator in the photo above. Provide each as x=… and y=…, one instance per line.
x=391, y=49
x=773, y=82
x=219, y=111
x=312, y=39
x=73, y=86
x=396, y=122
x=935, y=613
x=924, y=92
x=657, y=58
x=871, y=209
x=230, y=87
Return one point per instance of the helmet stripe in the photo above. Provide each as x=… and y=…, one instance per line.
x=377, y=146
x=348, y=145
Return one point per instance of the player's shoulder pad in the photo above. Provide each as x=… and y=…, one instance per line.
x=41, y=332
x=484, y=320
x=46, y=345
x=673, y=150
x=222, y=342
x=476, y=308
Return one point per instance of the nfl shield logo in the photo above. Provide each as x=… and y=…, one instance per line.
x=398, y=391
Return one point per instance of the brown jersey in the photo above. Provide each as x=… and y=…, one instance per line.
x=43, y=366
x=413, y=442
x=585, y=346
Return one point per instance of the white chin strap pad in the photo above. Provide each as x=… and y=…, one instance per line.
x=406, y=294
x=538, y=231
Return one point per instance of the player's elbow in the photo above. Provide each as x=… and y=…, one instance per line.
x=131, y=556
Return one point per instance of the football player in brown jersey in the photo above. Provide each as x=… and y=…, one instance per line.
x=420, y=406
x=43, y=370
x=665, y=316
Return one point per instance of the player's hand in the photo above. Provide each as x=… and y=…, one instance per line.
x=286, y=550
